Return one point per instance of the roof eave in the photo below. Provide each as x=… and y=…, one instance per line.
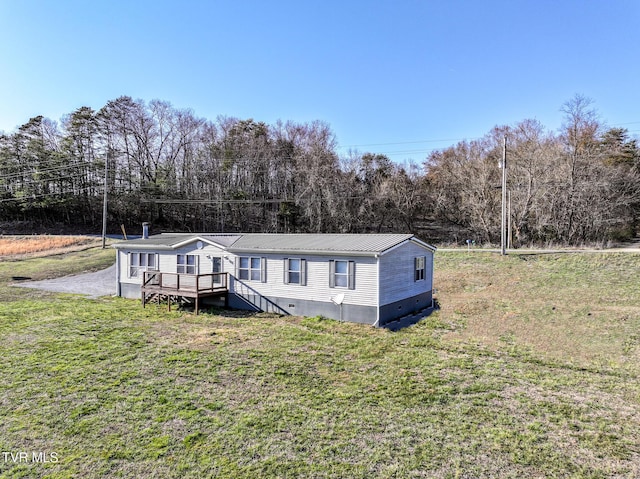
x=410, y=239
x=154, y=247
x=423, y=244
x=303, y=252
x=197, y=238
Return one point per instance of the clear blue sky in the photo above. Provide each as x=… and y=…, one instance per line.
x=391, y=76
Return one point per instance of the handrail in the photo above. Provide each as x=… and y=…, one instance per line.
x=186, y=282
x=149, y=276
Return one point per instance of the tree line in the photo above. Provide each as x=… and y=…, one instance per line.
x=578, y=186
x=184, y=173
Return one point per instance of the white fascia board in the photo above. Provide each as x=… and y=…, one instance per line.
x=194, y=239
x=423, y=244
x=238, y=252
x=394, y=247
x=142, y=247
x=412, y=239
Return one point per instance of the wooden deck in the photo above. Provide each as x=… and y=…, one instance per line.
x=156, y=285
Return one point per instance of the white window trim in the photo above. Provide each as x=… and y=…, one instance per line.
x=186, y=266
x=350, y=274
x=419, y=270
x=302, y=272
x=138, y=268
x=262, y=269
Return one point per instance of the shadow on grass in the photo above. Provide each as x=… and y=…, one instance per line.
x=411, y=319
x=223, y=312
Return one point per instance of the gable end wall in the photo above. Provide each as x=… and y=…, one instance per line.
x=397, y=270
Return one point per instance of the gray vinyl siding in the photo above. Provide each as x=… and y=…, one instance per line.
x=397, y=270
x=124, y=258
x=317, y=280
x=394, y=294
x=168, y=260
x=305, y=307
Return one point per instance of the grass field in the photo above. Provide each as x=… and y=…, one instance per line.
x=529, y=369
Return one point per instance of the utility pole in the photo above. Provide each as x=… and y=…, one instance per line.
x=509, y=232
x=104, y=203
x=503, y=222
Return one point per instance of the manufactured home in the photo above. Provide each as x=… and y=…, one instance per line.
x=364, y=278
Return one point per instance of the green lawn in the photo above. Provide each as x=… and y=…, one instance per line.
x=489, y=386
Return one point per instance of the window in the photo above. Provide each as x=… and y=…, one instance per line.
x=295, y=271
x=252, y=269
x=419, y=268
x=140, y=262
x=187, y=264
x=342, y=274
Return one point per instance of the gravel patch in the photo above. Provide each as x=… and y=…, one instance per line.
x=92, y=285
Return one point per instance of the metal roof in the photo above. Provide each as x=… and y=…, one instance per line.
x=318, y=243
x=169, y=241
x=356, y=244
x=220, y=239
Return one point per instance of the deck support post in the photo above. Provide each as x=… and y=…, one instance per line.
x=154, y=283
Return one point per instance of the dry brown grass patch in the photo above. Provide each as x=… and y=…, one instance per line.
x=12, y=247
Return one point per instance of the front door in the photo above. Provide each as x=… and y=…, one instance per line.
x=216, y=264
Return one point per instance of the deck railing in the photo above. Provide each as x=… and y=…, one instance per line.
x=191, y=283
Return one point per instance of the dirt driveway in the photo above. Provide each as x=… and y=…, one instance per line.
x=92, y=285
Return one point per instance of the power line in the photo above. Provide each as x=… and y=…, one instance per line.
x=224, y=201
x=433, y=140
x=45, y=195
x=212, y=201
x=407, y=142
x=237, y=161
x=29, y=171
